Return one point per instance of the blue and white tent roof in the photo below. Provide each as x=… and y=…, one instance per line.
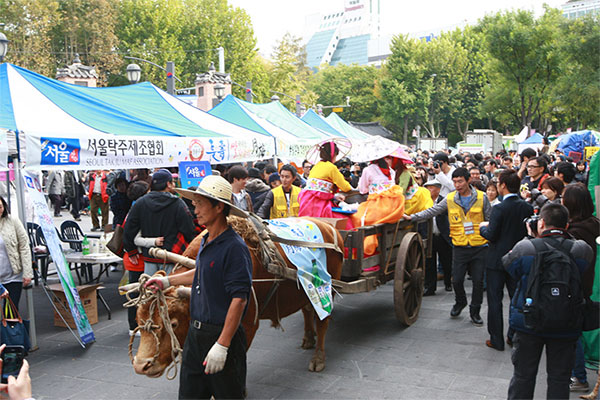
x=42, y=107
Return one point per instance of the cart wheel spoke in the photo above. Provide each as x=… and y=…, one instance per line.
x=408, y=285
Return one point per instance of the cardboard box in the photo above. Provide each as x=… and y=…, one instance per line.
x=89, y=300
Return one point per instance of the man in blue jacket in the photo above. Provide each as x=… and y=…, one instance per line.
x=528, y=345
x=504, y=230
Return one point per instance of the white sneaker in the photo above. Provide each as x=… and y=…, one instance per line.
x=137, y=334
x=114, y=268
x=578, y=386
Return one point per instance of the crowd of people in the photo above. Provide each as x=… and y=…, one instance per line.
x=486, y=210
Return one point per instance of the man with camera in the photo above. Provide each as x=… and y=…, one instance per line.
x=503, y=231
x=547, y=308
x=443, y=172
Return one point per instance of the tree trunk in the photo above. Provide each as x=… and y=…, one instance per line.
x=405, y=130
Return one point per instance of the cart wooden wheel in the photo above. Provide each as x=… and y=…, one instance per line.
x=408, y=278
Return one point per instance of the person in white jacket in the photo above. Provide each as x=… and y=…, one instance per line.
x=15, y=255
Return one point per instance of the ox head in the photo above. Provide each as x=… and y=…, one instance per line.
x=154, y=353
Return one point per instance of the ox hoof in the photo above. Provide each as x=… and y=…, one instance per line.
x=317, y=364
x=308, y=342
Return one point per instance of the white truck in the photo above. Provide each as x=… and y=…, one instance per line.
x=491, y=140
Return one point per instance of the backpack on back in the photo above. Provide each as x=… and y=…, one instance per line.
x=554, y=297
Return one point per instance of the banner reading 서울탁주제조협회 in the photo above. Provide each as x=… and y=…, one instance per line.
x=110, y=151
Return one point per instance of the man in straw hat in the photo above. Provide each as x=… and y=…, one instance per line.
x=214, y=354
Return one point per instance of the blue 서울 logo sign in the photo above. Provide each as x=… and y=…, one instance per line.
x=60, y=151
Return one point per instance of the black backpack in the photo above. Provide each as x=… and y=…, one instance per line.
x=554, y=287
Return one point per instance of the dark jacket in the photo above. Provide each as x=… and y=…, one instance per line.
x=587, y=230
x=70, y=183
x=257, y=190
x=442, y=222
x=158, y=214
x=119, y=205
x=506, y=228
x=518, y=263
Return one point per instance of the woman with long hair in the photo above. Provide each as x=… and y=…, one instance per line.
x=582, y=225
x=15, y=255
x=322, y=186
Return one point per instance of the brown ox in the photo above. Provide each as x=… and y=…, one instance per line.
x=287, y=300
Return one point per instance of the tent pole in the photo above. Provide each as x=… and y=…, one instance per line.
x=275, y=154
x=23, y=217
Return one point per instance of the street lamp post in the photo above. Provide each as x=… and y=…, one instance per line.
x=170, y=71
x=297, y=100
x=219, y=91
x=134, y=73
x=3, y=46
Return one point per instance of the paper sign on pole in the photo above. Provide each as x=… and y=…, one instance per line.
x=40, y=207
x=590, y=151
x=191, y=173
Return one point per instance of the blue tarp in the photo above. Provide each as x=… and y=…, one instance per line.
x=533, y=139
x=577, y=141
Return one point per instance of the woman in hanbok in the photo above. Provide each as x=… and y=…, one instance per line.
x=385, y=203
x=322, y=185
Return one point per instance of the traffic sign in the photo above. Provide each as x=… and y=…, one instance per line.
x=337, y=109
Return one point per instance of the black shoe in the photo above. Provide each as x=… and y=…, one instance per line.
x=457, y=309
x=489, y=344
x=428, y=293
x=448, y=288
x=95, y=229
x=476, y=319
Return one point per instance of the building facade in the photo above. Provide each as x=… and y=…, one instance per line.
x=578, y=8
x=349, y=36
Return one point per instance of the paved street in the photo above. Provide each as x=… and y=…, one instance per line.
x=368, y=355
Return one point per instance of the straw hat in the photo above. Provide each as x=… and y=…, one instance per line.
x=344, y=146
x=216, y=188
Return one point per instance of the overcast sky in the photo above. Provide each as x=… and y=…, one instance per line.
x=271, y=19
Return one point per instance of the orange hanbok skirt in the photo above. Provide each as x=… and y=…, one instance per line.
x=385, y=207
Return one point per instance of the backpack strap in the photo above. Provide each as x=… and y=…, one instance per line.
x=539, y=245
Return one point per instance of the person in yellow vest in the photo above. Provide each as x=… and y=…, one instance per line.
x=282, y=202
x=467, y=208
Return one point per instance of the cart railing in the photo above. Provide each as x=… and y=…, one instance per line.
x=389, y=238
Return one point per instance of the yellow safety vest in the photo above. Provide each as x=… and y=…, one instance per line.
x=457, y=219
x=280, y=205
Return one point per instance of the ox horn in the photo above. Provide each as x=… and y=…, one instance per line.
x=168, y=256
x=126, y=288
x=184, y=292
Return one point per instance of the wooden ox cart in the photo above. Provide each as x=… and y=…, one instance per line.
x=400, y=257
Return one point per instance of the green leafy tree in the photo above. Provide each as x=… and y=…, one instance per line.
x=524, y=60
x=29, y=28
x=401, y=90
x=467, y=109
x=333, y=84
x=88, y=28
x=577, y=93
x=289, y=72
x=445, y=77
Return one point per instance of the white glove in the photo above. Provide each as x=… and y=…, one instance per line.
x=158, y=283
x=215, y=359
